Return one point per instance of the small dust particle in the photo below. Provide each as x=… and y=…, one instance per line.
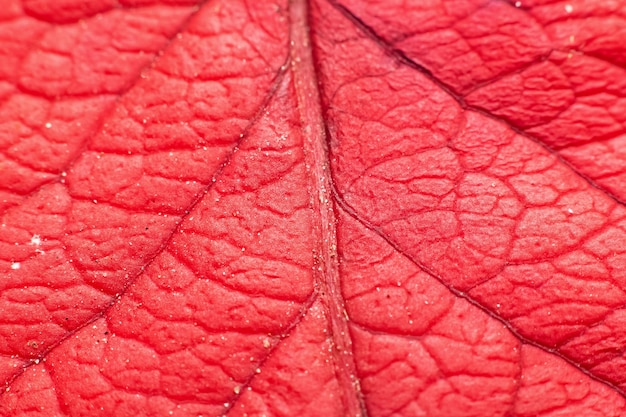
x=48, y=125
x=569, y=8
x=237, y=390
x=16, y=265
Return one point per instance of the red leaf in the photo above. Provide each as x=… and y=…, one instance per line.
x=272, y=208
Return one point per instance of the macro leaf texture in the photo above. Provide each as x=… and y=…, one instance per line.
x=313, y=208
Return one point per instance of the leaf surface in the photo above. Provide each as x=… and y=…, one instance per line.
x=355, y=208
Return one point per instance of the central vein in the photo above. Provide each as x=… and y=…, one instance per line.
x=327, y=274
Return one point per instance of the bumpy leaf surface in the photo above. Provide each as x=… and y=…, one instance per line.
x=326, y=208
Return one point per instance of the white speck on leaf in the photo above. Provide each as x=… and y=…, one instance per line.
x=16, y=265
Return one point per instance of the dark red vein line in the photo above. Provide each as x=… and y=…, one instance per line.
x=463, y=295
x=304, y=310
x=402, y=58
